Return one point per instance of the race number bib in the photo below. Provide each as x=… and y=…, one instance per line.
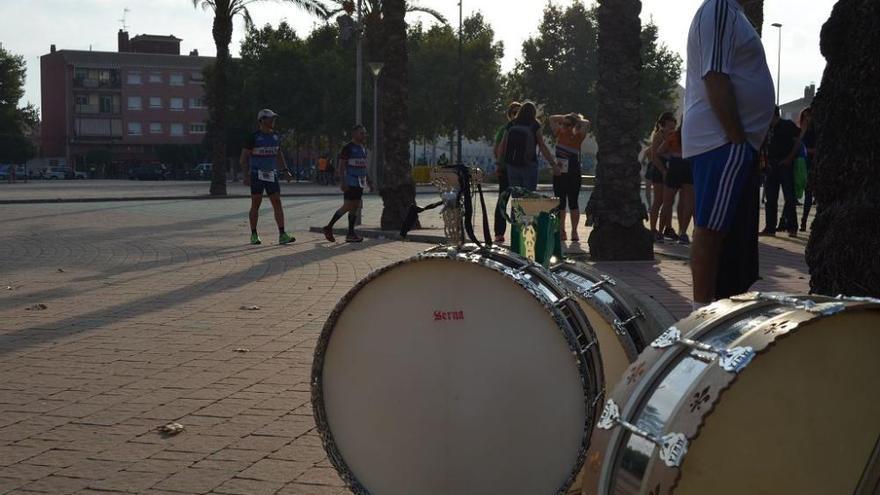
x=266, y=175
x=362, y=182
x=563, y=164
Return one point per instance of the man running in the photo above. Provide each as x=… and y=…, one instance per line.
x=352, y=175
x=261, y=161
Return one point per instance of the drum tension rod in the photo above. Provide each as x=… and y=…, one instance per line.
x=620, y=325
x=598, y=285
x=732, y=360
x=673, y=446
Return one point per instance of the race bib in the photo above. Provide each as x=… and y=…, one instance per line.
x=266, y=175
x=362, y=182
x=563, y=164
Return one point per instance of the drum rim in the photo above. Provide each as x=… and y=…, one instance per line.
x=659, y=363
x=465, y=254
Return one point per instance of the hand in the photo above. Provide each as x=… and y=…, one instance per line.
x=287, y=174
x=246, y=180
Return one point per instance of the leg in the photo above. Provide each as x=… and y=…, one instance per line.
x=771, y=192
x=354, y=206
x=808, y=205
x=789, y=210
x=656, y=203
x=666, y=209
x=560, y=192
x=275, y=199
x=705, y=251
x=574, y=194
x=500, y=223
x=254, y=215
x=685, y=208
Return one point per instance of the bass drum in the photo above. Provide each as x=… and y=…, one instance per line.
x=624, y=320
x=757, y=394
x=462, y=370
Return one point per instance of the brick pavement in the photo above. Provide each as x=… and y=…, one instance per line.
x=141, y=327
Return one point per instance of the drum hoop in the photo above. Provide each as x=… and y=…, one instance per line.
x=466, y=254
x=662, y=365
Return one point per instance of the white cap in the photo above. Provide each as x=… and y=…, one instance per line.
x=266, y=113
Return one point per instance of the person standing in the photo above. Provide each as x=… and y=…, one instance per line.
x=522, y=136
x=353, y=179
x=501, y=170
x=261, y=162
x=570, y=131
x=783, y=145
x=679, y=180
x=808, y=138
x=663, y=128
x=728, y=107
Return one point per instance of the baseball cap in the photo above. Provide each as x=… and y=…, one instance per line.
x=266, y=113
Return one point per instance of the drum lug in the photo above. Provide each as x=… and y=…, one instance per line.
x=731, y=360
x=598, y=285
x=822, y=309
x=673, y=446
x=620, y=326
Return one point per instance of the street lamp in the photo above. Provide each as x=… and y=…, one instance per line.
x=460, y=116
x=778, y=63
x=376, y=69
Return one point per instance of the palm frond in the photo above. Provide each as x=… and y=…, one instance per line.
x=427, y=10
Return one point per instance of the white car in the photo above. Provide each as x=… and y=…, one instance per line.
x=58, y=173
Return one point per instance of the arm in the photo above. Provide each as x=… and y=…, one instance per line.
x=583, y=126
x=655, y=154
x=556, y=122
x=546, y=152
x=722, y=99
x=340, y=171
x=281, y=165
x=502, y=146
x=795, y=150
x=244, y=161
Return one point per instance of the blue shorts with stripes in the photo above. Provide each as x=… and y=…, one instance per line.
x=719, y=178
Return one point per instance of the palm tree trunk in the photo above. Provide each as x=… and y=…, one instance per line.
x=843, y=252
x=397, y=188
x=616, y=206
x=222, y=32
x=754, y=10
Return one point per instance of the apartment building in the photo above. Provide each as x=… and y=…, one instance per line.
x=129, y=102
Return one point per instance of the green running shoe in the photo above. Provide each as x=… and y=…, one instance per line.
x=286, y=238
x=255, y=239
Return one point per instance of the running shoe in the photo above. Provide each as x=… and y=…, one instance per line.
x=658, y=238
x=793, y=233
x=255, y=239
x=286, y=238
x=354, y=238
x=767, y=233
x=328, y=234
x=684, y=240
x=499, y=239
x=670, y=234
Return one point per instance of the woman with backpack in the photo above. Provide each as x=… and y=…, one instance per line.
x=519, y=145
x=570, y=131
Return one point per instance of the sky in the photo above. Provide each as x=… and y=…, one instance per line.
x=85, y=24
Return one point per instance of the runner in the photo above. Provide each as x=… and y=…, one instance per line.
x=501, y=171
x=261, y=160
x=352, y=172
x=570, y=131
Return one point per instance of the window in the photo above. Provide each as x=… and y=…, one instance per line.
x=155, y=77
x=176, y=79
x=198, y=128
x=196, y=77
x=109, y=104
x=86, y=103
x=134, y=129
x=176, y=104
x=197, y=103
x=177, y=129
x=82, y=99
x=155, y=102
x=155, y=128
x=134, y=102
x=133, y=78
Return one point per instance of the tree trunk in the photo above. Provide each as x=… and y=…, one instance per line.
x=222, y=32
x=755, y=12
x=843, y=252
x=616, y=207
x=397, y=189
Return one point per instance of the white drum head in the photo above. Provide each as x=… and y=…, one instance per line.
x=446, y=377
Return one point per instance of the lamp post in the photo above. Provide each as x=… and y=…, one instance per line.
x=778, y=63
x=359, y=68
x=376, y=68
x=460, y=83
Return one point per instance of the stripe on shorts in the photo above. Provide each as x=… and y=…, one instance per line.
x=726, y=186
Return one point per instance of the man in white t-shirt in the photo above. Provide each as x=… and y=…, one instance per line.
x=728, y=106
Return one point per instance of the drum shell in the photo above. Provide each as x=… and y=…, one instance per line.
x=698, y=394
x=564, y=310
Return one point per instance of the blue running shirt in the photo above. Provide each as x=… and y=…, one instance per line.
x=354, y=156
x=264, y=150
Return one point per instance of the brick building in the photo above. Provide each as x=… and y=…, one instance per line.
x=129, y=102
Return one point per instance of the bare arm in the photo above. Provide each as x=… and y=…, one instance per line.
x=795, y=150
x=244, y=161
x=655, y=153
x=546, y=152
x=281, y=165
x=723, y=101
x=556, y=122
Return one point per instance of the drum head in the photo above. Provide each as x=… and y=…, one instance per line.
x=442, y=376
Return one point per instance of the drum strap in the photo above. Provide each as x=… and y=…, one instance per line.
x=466, y=194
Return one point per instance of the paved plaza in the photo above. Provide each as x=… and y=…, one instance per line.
x=118, y=317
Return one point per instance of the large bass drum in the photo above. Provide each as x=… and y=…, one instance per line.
x=758, y=394
x=624, y=320
x=459, y=371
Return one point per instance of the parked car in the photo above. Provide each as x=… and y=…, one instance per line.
x=6, y=172
x=79, y=174
x=149, y=172
x=58, y=173
x=203, y=171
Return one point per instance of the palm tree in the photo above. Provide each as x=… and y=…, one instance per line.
x=616, y=207
x=842, y=252
x=225, y=11
x=397, y=188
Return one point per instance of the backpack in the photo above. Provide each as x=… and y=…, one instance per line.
x=520, y=150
